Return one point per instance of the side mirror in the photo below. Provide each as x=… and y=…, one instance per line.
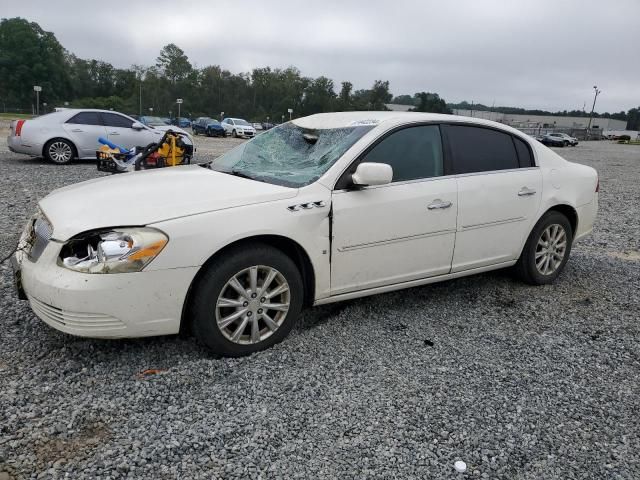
x=137, y=126
x=372, y=174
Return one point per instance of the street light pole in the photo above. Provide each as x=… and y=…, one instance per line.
x=595, y=97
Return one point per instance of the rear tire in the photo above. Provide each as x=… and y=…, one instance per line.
x=547, y=250
x=246, y=300
x=60, y=151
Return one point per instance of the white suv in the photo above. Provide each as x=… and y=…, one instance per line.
x=237, y=127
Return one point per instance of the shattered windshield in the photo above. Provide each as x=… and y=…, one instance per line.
x=290, y=155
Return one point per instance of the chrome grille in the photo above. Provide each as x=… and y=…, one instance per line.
x=41, y=234
x=65, y=318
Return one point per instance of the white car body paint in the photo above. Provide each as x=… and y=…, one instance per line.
x=37, y=132
x=359, y=242
x=240, y=126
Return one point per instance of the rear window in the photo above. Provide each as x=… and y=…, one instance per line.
x=525, y=157
x=86, y=118
x=477, y=149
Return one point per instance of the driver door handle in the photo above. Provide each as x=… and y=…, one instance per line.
x=439, y=204
x=526, y=191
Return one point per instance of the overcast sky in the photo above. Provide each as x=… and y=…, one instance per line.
x=544, y=54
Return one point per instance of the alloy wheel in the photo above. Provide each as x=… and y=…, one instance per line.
x=60, y=152
x=253, y=304
x=551, y=249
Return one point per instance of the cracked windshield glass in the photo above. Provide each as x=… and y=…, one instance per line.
x=290, y=155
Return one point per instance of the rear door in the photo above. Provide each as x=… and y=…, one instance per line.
x=120, y=132
x=499, y=192
x=84, y=129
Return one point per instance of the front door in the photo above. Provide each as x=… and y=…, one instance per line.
x=403, y=231
x=120, y=132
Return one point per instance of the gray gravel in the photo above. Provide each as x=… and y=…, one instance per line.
x=517, y=381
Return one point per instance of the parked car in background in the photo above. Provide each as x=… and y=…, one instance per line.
x=73, y=133
x=181, y=122
x=324, y=208
x=558, y=140
x=207, y=126
x=237, y=127
x=153, y=121
x=256, y=125
x=567, y=140
x=267, y=125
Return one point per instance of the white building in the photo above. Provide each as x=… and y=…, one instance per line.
x=533, y=121
x=545, y=121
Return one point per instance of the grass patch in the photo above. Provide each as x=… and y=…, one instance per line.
x=14, y=116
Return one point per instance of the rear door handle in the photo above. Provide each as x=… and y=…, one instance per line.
x=439, y=204
x=77, y=130
x=526, y=192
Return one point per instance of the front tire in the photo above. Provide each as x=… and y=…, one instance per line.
x=246, y=300
x=59, y=151
x=234, y=134
x=547, y=250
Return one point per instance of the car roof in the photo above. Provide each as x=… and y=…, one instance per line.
x=375, y=118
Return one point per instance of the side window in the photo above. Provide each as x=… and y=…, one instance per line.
x=525, y=157
x=114, y=120
x=477, y=149
x=413, y=153
x=86, y=118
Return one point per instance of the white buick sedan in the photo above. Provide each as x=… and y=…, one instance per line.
x=321, y=209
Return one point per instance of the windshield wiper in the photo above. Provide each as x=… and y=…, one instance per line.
x=240, y=174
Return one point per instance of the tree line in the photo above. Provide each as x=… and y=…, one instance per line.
x=31, y=56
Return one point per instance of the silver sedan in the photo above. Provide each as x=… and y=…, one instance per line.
x=73, y=133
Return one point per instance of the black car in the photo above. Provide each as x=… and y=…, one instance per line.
x=207, y=126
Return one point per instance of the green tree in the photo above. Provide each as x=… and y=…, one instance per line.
x=633, y=119
x=30, y=56
x=345, y=102
x=380, y=95
x=403, y=100
x=319, y=96
x=173, y=63
x=430, y=102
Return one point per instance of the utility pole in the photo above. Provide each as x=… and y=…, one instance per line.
x=179, y=102
x=595, y=97
x=140, y=98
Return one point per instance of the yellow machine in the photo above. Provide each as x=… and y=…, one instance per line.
x=170, y=151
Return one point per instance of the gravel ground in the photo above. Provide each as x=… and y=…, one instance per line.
x=519, y=382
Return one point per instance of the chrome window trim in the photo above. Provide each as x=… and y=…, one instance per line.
x=525, y=138
x=431, y=179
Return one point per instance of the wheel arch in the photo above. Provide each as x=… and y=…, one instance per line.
x=568, y=211
x=52, y=139
x=289, y=247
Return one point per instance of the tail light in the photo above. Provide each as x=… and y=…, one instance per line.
x=19, y=125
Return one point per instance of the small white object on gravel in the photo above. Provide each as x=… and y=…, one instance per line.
x=460, y=466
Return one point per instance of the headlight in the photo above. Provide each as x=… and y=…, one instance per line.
x=119, y=250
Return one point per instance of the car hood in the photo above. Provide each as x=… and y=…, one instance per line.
x=244, y=127
x=142, y=198
x=164, y=128
x=217, y=126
